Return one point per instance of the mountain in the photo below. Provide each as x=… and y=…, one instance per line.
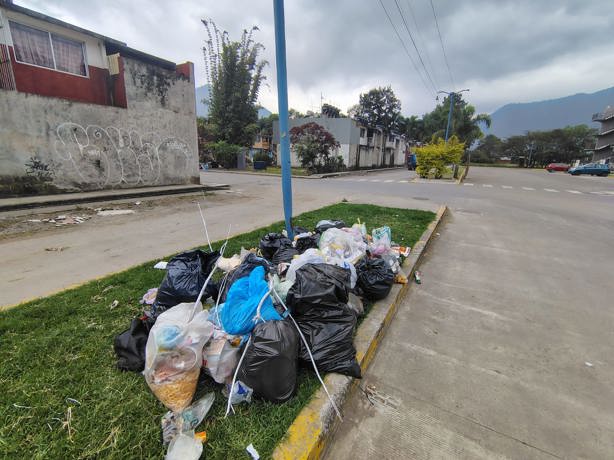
x=513, y=119
x=202, y=107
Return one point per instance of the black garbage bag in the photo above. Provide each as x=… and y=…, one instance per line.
x=324, y=225
x=318, y=303
x=299, y=230
x=270, y=364
x=129, y=346
x=284, y=255
x=185, y=275
x=375, y=278
x=307, y=242
x=250, y=262
x=271, y=242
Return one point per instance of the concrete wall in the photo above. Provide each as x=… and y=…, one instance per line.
x=69, y=146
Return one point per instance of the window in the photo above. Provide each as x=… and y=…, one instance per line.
x=363, y=132
x=33, y=46
x=391, y=138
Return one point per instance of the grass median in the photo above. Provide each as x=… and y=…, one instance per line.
x=62, y=397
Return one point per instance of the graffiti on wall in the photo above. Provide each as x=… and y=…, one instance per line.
x=105, y=157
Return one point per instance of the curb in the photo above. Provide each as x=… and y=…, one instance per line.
x=313, y=176
x=312, y=429
x=63, y=200
x=461, y=179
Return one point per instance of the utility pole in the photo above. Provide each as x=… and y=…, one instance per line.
x=282, y=102
x=451, y=95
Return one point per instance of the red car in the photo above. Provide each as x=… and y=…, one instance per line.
x=557, y=167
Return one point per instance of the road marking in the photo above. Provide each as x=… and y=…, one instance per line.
x=486, y=185
x=403, y=181
x=375, y=180
x=362, y=180
x=468, y=184
x=551, y=190
x=604, y=192
x=507, y=186
x=389, y=180
x=528, y=188
x=574, y=191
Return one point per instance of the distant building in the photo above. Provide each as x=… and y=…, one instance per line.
x=359, y=146
x=81, y=111
x=604, y=147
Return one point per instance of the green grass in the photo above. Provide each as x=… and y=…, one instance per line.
x=277, y=170
x=61, y=347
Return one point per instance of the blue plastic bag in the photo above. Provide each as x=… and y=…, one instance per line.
x=241, y=304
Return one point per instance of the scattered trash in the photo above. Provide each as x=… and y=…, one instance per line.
x=586, y=363
x=221, y=355
x=149, y=297
x=356, y=304
x=382, y=240
x=138, y=203
x=115, y=212
x=251, y=450
x=172, y=424
x=57, y=249
x=343, y=245
x=184, y=447
x=271, y=243
x=114, y=304
x=400, y=278
x=418, y=277
x=73, y=401
x=161, y=265
x=229, y=264
x=240, y=393
x=324, y=225
x=34, y=220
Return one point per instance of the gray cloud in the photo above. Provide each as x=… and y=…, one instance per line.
x=505, y=51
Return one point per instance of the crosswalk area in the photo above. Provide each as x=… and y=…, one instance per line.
x=483, y=186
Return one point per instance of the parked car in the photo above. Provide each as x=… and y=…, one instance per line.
x=557, y=167
x=594, y=169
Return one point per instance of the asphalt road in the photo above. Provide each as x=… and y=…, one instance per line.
x=504, y=351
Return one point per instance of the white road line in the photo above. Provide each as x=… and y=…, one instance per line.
x=574, y=191
x=604, y=192
x=362, y=180
x=468, y=184
x=403, y=181
x=551, y=190
x=506, y=186
x=528, y=188
x=486, y=185
x=375, y=180
x=389, y=180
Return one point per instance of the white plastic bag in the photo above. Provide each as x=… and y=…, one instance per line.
x=173, y=354
x=310, y=256
x=220, y=356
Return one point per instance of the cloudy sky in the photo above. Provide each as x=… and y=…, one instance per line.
x=504, y=51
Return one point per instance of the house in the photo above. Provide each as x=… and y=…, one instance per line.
x=604, y=147
x=360, y=146
x=81, y=111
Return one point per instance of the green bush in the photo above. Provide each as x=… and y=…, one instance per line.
x=225, y=154
x=433, y=158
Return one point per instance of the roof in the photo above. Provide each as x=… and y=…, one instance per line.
x=112, y=45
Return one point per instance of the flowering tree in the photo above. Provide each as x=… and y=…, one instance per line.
x=315, y=147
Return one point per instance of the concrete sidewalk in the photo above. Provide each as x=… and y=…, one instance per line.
x=41, y=201
x=497, y=354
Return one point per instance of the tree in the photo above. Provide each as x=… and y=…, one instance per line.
x=314, y=146
x=379, y=108
x=465, y=122
x=414, y=129
x=235, y=75
x=488, y=150
x=292, y=113
x=330, y=111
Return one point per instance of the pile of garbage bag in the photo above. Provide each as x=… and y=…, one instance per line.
x=248, y=321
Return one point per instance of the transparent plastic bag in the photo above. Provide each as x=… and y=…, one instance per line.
x=221, y=355
x=173, y=354
x=382, y=241
x=339, y=243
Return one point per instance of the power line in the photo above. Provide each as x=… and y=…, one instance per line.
x=442, y=47
x=422, y=41
x=415, y=46
x=405, y=47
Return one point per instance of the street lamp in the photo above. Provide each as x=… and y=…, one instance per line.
x=451, y=94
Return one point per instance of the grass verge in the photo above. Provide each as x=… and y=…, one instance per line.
x=277, y=170
x=62, y=397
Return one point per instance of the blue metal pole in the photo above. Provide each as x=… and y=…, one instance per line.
x=449, y=115
x=282, y=101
